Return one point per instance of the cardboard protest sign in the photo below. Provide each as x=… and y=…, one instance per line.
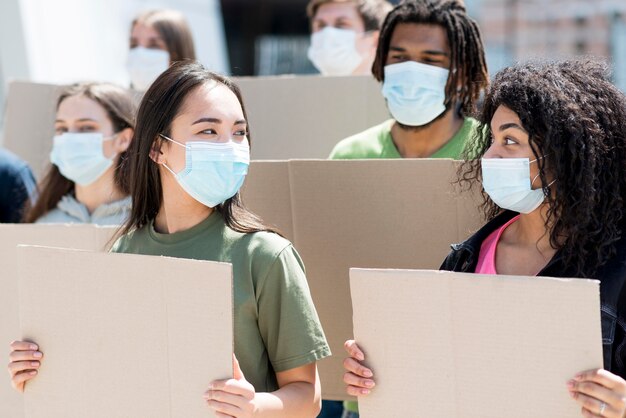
x=373, y=213
x=268, y=193
x=85, y=237
x=29, y=122
x=290, y=117
x=124, y=335
x=305, y=116
x=448, y=345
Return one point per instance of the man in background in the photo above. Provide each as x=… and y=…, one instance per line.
x=345, y=34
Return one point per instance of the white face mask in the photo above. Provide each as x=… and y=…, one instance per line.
x=333, y=51
x=507, y=182
x=145, y=65
x=415, y=92
x=214, y=171
x=79, y=156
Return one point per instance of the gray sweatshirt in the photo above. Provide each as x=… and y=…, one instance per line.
x=71, y=211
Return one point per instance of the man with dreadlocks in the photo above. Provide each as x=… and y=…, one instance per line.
x=430, y=59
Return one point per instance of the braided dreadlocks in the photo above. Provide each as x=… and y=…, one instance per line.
x=468, y=68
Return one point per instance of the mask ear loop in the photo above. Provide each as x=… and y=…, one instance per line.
x=546, y=189
x=177, y=143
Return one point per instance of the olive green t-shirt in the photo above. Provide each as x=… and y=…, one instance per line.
x=276, y=327
x=376, y=142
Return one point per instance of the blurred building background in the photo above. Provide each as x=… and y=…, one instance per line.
x=61, y=41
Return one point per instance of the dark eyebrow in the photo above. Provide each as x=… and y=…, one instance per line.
x=397, y=49
x=79, y=120
x=439, y=53
x=511, y=125
x=217, y=121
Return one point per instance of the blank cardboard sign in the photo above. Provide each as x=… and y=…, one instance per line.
x=267, y=193
x=29, y=122
x=84, y=237
x=379, y=214
x=124, y=335
x=446, y=345
x=305, y=116
x=290, y=117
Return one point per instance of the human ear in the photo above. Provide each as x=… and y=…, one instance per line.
x=156, y=154
x=123, y=139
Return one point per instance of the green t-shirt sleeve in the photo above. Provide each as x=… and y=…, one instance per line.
x=119, y=245
x=288, y=321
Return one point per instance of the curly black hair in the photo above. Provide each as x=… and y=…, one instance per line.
x=576, y=118
x=468, y=66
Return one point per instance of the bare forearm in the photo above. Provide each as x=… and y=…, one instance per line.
x=295, y=400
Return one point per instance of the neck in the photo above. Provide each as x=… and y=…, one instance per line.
x=178, y=211
x=100, y=192
x=530, y=230
x=424, y=141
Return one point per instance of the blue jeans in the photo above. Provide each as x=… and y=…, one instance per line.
x=331, y=409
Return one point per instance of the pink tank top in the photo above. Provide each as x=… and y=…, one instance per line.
x=487, y=256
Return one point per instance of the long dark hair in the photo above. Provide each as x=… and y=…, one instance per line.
x=468, y=67
x=159, y=107
x=172, y=26
x=120, y=108
x=576, y=120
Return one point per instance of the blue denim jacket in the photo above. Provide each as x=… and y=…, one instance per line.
x=612, y=275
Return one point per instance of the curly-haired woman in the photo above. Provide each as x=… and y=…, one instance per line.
x=551, y=159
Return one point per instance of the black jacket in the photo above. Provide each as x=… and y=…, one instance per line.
x=612, y=275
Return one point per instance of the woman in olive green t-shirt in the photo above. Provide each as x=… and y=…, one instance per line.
x=188, y=161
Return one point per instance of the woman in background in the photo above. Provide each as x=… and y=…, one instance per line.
x=158, y=38
x=88, y=181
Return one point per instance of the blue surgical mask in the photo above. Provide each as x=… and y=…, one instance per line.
x=507, y=182
x=214, y=171
x=415, y=92
x=79, y=156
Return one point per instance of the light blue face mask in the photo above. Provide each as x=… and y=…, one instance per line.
x=415, y=92
x=507, y=182
x=214, y=171
x=79, y=156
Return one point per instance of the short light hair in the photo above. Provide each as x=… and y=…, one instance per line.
x=373, y=12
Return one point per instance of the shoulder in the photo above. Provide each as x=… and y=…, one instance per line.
x=366, y=144
x=129, y=242
x=57, y=216
x=463, y=256
x=12, y=167
x=264, y=246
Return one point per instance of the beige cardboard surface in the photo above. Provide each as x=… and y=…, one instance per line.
x=445, y=345
x=267, y=192
x=290, y=117
x=29, y=122
x=124, y=335
x=85, y=237
x=305, y=116
x=374, y=213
